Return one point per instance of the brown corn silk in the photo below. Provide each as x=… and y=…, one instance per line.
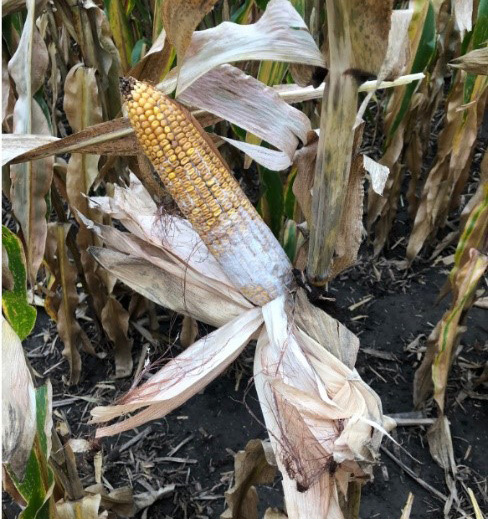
x=198, y=179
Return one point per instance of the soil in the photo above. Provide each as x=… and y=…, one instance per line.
x=215, y=424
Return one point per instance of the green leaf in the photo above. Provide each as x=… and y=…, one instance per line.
x=16, y=309
x=272, y=204
x=137, y=51
x=121, y=30
x=290, y=199
x=36, y=488
x=425, y=52
x=290, y=239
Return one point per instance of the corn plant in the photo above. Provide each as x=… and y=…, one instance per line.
x=219, y=263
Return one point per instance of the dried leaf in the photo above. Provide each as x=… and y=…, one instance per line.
x=270, y=159
x=474, y=62
x=407, y=509
x=181, y=18
x=14, y=145
x=115, y=321
x=87, y=507
x=251, y=467
x=68, y=327
x=82, y=107
x=183, y=376
x=304, y=161
x=31, y=181
x=146, y=499
x=18, y=403
x=452, y=164
x=433, y=373
x=440, y=444
x=155, y=62
x=240, y=99
x=378, y=174
x=279, y=35
x=189, y=331
x=463, y=13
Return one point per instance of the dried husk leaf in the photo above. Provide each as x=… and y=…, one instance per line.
x=463, y=14
x=183, y=376
x=30, y=181
x=252, y=466
x=324, y=422
x=474, y=62
x=154, y=62
x=279, y=35
x=18, y=403
x=240, y=99
x=181, y=18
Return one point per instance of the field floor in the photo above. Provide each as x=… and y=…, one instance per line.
x=197, y=441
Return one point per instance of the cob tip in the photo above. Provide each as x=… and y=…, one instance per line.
x=126, y=85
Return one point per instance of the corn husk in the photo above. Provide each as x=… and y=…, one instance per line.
x=324, y=422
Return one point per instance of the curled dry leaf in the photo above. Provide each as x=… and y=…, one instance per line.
x=115, y=319
x=183, y=376
x=87, y=507
x=30, y=181
x=324, y=422
x=181, y=18
x=155, y=61
x=255, y=465
x=18, y=403
x=233, y=95
x=279, y=35
x=474, y=62
x=68, y=327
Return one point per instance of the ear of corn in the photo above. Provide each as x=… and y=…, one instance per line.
x=200, y=182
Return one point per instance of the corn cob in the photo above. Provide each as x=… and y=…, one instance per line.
x=200, y=182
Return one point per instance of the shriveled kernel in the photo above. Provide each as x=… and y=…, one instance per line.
x=184, y=160
x=148, y=131
x=181, y=154
x=171, y=136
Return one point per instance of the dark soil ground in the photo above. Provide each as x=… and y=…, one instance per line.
x=198, y=440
